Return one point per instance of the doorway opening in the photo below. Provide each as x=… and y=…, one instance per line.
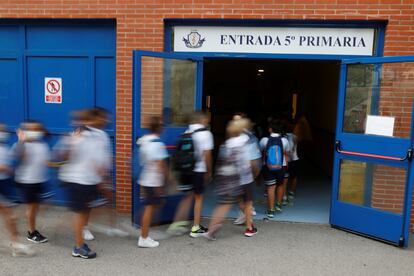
x=297, y=90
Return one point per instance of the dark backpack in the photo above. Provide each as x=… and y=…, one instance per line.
x=184, y=157
x=273, y=154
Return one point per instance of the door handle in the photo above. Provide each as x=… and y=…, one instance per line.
x=408, y=156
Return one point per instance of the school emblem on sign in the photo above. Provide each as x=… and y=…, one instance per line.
x=193, y=40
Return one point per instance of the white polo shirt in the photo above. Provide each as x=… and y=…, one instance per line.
x=293, y=156
x=243, y=163
x=106, y=141
x=203, y=140
x=151, y=150
x=33, y=169
x=5, y=160
x=86, y=159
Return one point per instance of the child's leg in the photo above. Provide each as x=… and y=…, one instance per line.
x=218, y=216
x=280, y=192
x=146, y=220
x=198, y=184
x=31, y=212
x=81, y=219
x=10, y=222
x=184, y=207
x=248, y=213
x=293, y=184
x=198, y=204
x=271, y=196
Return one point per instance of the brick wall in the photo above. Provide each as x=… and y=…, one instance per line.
x=140, y=26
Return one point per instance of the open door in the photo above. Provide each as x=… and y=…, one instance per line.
x=372, y=181
x=167, y=85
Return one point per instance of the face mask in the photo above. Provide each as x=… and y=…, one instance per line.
x=4, y=136
x=33, y=135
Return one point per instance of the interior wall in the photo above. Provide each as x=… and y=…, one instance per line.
x=319, y=96
x=235, y=86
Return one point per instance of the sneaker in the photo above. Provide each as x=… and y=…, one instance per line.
x=250, y=232
x=19, y=249
x=291, y=195
x=278, y=207
x=36, y=237
x=241, y=219
x=87, y=235
x=253, y=211
x=197, y=231
x=147, y=243
x=84, y=252
x=270, y=213
x=178, y=228
x=285, y=201
x=209, y=236
x=115, y=232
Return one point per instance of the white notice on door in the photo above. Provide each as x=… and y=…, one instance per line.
x=380, y=125
x=53, y=90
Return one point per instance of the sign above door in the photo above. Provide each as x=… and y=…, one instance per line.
x=275, y=40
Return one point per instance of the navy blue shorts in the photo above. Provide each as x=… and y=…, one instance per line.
x=192, y=182
x=30, y=193
x=151, y=195
x=81, y=196
x=273, y=177
x=5, y=199
x=293, y=168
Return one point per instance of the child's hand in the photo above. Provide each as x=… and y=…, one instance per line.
x=20, y=135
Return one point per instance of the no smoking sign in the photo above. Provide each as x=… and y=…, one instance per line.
x=53, y=90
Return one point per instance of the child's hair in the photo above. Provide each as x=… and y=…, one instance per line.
x=100, y=112
x=198, y=117
x=239, y=115
x=155, y=124
x=3, y=127
x=234, y=128
x=277, y=126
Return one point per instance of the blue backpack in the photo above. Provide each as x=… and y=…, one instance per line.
x=273, y=154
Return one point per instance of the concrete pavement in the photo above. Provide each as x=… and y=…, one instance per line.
x=278, y=249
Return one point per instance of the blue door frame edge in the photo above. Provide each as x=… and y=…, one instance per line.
x=136, y=126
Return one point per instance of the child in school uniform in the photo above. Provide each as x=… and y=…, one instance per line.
x=16, y=247
x=154, y=173
x=293, y=165
x=234, y=178
x=274, y=179
x=82, y=171
x=32, y=155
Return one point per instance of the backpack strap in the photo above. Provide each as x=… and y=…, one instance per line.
x=199, y=130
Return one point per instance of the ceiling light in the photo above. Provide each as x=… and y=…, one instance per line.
x=260, y=70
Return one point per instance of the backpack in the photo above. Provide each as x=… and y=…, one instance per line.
x=184, y=157
x=273, y=154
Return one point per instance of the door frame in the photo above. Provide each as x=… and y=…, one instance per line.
x=136, y=122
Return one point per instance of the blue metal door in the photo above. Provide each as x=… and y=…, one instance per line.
x=372, y=181
x=167, y=85
x=79, y=52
